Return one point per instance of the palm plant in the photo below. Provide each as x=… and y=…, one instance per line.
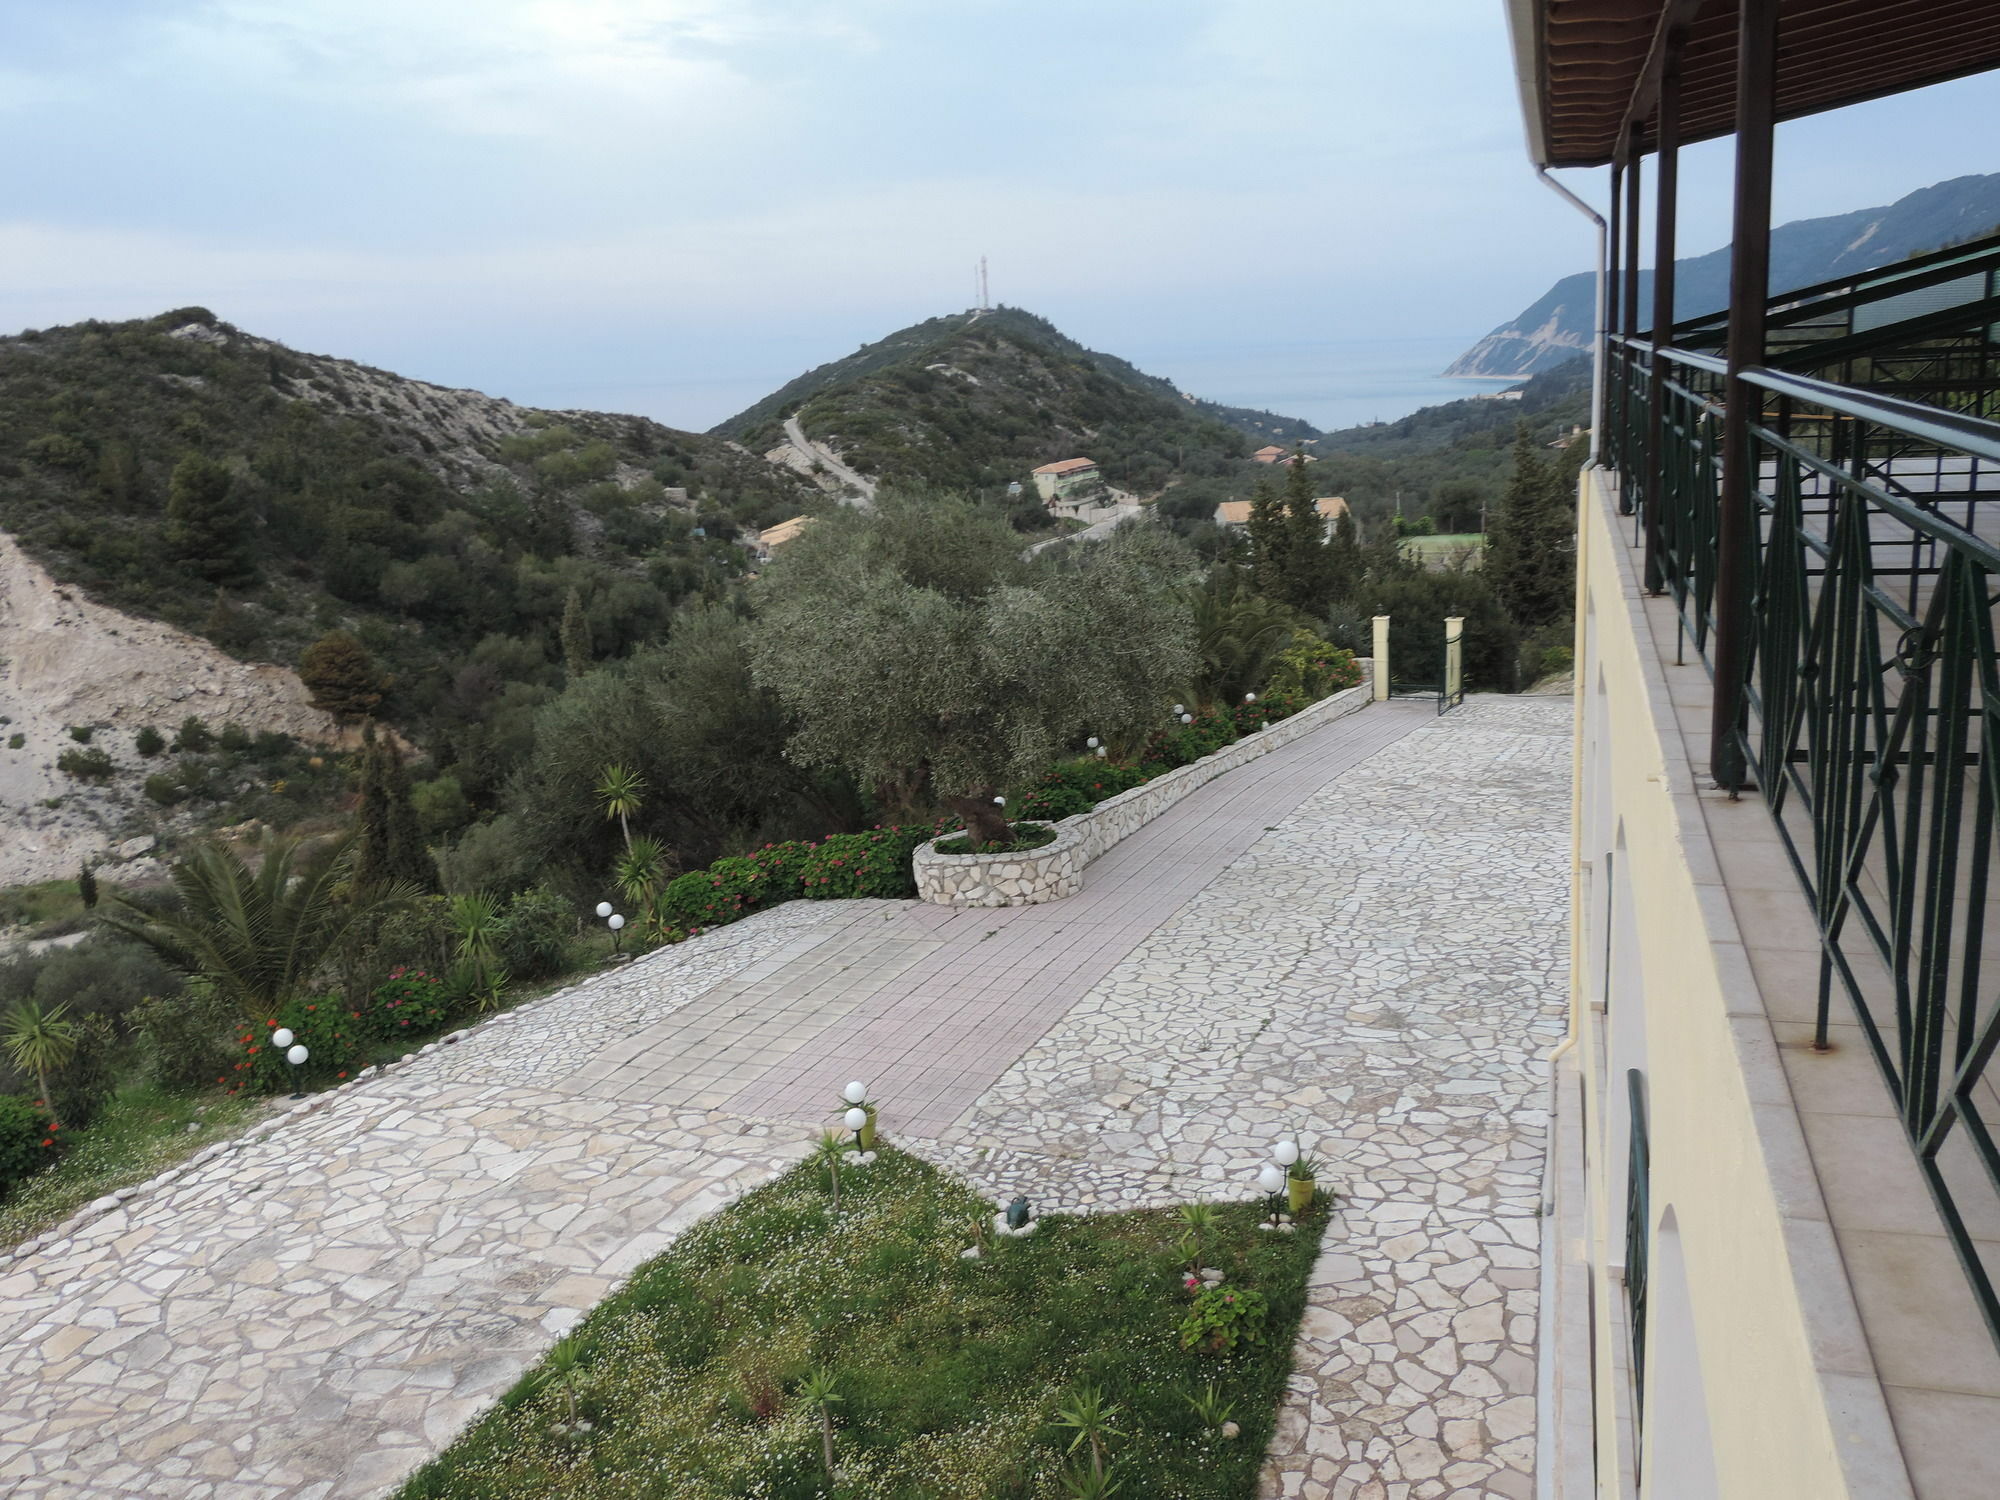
x=621, y=792
x=258, y=936
x=1238, y=635
x=820, y=1393
x=1092, y=1419
x=41, y=1040
x=1209, y=1407
x=1200, y=1219
x=475, y=919
x=639, y=870
x=565, y=1373
x=828, y=1155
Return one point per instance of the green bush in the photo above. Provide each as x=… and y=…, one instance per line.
x=85, y=765
x=165, y=788
x=875, y=864
x=184, y=1039
x=16, y=740
x=1312, y=668
x=90, y=1077
x=193, y=737
x=535, y=934
x=1078, y=785
x=1269, y=709
x=26, y=1143
x=81, y=733
x=149, y=742
x=1187, y=743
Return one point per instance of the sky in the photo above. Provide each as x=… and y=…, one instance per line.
x=673, y=206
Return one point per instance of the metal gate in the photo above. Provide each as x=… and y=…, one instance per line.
x=1446, y=681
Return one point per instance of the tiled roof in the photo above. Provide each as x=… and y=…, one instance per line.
x=1067, y=466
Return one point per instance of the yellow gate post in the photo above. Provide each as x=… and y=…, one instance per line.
x=1381, y=658
x=1454, y=660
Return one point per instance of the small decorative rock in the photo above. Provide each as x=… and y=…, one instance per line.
x=1230, y=1429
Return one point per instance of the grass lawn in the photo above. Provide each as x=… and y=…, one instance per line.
x=1432, y=550
x=48, y=909
x=694, y=1380
x=143, y=1130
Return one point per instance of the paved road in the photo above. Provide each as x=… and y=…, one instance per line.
x=829, y=460
x=1351, y=938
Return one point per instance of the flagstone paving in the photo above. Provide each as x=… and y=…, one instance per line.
x=1357, y=939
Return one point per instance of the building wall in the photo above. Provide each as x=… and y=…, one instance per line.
x=1740, y=1404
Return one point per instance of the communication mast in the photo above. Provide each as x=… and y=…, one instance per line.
x=985, y=303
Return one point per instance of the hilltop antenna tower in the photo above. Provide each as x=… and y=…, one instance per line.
x=985, y=302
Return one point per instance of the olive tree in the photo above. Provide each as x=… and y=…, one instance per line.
x=917, y=650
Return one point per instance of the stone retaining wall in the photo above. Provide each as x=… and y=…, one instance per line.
x=1056, y=870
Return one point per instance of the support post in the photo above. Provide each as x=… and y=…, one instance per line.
x=1381, y=673
x=1614, y=320
x=1749, y=290
x=1628, y=325
x=1454, y=661
x=1666, y=189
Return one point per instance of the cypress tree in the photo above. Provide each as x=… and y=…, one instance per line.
x=207, y=524
x=389, y=841
x=575, y=637
x=1270, y=540
x=1307, y=578
x=1531, y=554
x=1345, y=564
x=86, y=886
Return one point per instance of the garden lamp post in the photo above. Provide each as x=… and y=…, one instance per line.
x=1272, y=1181
x=1249, y=697
x=295, y=1054
x=1187, y=718
x=617, y=925
x=603, y=909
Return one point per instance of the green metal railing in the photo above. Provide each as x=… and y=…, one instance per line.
x=1870, y=690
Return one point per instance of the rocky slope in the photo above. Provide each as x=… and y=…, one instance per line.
x=66, y=661
x=1803, y=252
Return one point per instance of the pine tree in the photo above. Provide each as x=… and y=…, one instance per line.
x=575, y=636
x=86, y=886
x=207, y=524
x=1531, y=553
x=340, y=674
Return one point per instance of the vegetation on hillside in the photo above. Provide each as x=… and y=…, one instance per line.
x=973, y=403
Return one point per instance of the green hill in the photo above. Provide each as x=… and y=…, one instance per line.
x=974, y=400
x=426, y=519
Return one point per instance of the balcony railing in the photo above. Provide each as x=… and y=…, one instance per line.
x=1869, y=692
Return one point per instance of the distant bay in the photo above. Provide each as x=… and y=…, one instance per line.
x=1331, y=383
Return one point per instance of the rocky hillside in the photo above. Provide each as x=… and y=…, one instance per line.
x=975, y=400
x=1803, y=252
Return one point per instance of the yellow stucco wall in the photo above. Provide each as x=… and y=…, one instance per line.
x=1715, y=1147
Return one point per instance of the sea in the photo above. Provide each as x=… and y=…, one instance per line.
x=1332, y=383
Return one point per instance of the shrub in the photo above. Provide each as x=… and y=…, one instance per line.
x=192, y=738
x=80, y=1087
x=1026, y=836
x=1269, y=709
x=1313, y=668
x=27, y=1142
x=875, y=864
x=410, y=1000
x=1186, y=743
x=1223, y=1317
x=1078, y=785
x=85, y=765
x=16, y=740
x=166, y=789
x=149, y=742
x=184, y=1039
x=535, y=934
x=81, y=733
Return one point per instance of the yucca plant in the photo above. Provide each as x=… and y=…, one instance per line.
x=41, y=1040
x=1086, y=1413
x=565, y=1373
x=1200, y=1219
x=259, y=936
x=820, y=1392
x=621, y=792
x=640, y=870
x=828, y=1154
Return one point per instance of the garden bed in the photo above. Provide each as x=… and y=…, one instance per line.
x=951, y=1374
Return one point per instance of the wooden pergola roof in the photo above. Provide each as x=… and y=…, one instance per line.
x=1582, y=63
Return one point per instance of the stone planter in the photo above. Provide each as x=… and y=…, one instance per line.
x=1056, y=870
x=1046, y=874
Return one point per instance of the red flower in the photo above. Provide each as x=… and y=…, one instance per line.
x=47, y=1142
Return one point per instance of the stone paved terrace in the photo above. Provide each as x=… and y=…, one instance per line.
x=1358, y=939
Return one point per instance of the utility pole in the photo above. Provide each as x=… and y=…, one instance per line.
x=985, y=302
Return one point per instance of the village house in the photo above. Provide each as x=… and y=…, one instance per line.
x=1057, y=482
x=1237, y=512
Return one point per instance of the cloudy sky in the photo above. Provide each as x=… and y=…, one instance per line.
x=671, y=206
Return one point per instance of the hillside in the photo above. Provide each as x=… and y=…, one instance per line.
x=184, y=471
x=1558, y=326
x=974, y=400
